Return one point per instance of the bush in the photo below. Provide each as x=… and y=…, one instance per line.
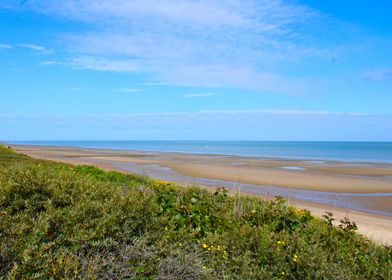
x=63, y=221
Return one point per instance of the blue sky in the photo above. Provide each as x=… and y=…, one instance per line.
x=196, y=70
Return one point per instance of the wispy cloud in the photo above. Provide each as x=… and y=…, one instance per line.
x=207, y=94
x=378, y=75
x=130, y=90
x=36, y=48
x=203, y=13
x=5, y=46
x=83, y=62
x=230, y=43
x=102, y=64
x=52, y=62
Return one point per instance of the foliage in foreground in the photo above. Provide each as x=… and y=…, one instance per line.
x=63, y=221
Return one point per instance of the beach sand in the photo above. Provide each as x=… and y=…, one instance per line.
x=372, y=181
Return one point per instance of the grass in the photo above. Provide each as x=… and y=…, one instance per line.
x=59, y=221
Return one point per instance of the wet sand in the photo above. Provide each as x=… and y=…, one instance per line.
x=361, y=186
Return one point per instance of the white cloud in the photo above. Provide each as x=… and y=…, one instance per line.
x=235, y=13
x=231, y=43
x=199, y=95
x=178, y=60
x=52, y=62
x=36, y=48
x=83, y=62
x=208, y=75
x=5, y=46
x=102, y=64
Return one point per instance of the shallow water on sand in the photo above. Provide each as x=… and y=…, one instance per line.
x=346, y=200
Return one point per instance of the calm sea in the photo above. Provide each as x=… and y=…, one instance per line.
x=346, y=151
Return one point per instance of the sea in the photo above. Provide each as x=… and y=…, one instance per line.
x=340, y=151
x=357, y=153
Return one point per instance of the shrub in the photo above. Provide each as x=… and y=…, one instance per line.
x=62, y=221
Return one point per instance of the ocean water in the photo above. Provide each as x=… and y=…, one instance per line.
x=343, y=151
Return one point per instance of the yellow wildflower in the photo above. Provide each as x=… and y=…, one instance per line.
x=205, y=246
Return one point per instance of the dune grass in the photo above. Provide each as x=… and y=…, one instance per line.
x=59, y=221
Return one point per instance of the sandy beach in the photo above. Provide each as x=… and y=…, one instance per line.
x=361, y=191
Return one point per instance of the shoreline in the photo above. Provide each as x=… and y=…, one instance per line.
x=185, y=166
x=265, y=156
x=379, y=174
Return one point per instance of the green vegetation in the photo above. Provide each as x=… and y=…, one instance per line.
x=59, y=221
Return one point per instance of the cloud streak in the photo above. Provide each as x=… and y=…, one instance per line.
x=215, y=13
x=36, y=48
x=82, y=62
x=5, y=46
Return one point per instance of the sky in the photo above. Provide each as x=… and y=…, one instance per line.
x=292, y=70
